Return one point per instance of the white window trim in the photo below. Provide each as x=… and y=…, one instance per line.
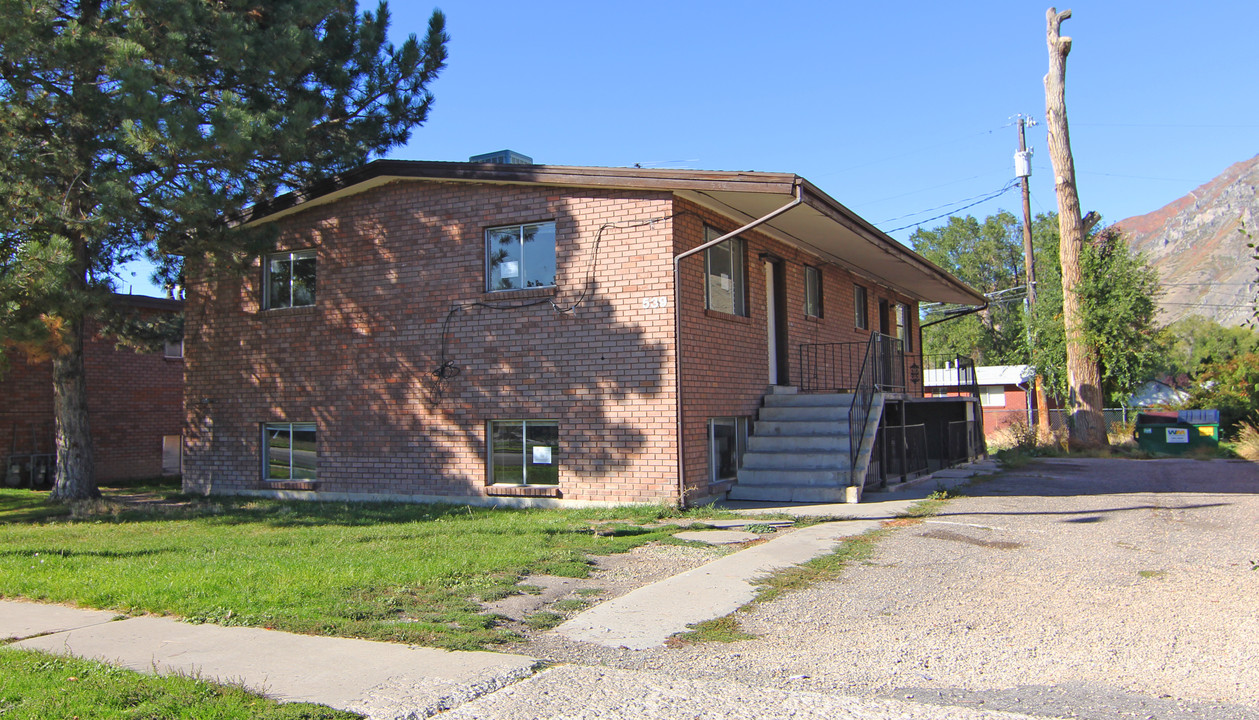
x=815, y=273
x=266, y=450
x=489, y=273
x=292, y=256
x=738, y=280
x=861, y=311
x=524, y=422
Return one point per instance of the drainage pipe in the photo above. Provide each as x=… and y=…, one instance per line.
x=677, y=324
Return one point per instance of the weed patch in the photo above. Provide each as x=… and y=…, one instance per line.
x=723, y=629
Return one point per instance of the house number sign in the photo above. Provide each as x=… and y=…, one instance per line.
x=652, y=303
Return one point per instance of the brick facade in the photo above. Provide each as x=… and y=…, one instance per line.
x=725, y=358
x=134, y=400
x=595, y=354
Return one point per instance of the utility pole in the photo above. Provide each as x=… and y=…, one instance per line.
x=1023, y=169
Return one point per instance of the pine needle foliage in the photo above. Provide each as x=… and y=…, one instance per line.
x=150, y=128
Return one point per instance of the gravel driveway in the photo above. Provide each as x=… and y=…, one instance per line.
x=1071, y=588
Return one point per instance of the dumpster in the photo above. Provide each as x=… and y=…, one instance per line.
x=1176, y=432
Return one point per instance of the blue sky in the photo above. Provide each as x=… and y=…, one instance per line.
x=900, y=110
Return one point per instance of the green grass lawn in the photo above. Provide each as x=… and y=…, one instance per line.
x=404, y=573
x=35, y=686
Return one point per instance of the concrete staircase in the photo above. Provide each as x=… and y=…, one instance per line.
x=798, y=450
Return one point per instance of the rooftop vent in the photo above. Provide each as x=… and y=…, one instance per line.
x=502, y=157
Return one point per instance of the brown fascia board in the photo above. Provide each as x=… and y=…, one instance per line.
x=839, y=213
x=381, y=171
x=147, y=302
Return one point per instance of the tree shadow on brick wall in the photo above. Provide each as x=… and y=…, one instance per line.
x=362, y=365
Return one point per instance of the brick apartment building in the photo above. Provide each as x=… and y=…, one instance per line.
x=135, y=407
x=516, y=333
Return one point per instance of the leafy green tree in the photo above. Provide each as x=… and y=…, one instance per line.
x=1232, y=387
x=988, y=256
x=146, y=128
x=1196, y=343
x=1119, y=292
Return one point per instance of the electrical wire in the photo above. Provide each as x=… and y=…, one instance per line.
x=448, y=369
x=992, y=196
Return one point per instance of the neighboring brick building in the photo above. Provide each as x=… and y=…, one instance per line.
x=488, y=333
x=135, y=407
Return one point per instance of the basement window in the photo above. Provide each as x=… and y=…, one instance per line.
x=524, y=452
x=520, y=256
x=727, y=440
x=290, y=280
x=289, y=451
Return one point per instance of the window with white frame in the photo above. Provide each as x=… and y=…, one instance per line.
x=902, y=327
x=861, y=319
x=290, y=279
x=520, y=256
x=524, y=452
x=173, y=349
x=172, y=454
x=289, y=451
x=812, y=291
x=727, y=439
x=992, y=396
x=725, y=284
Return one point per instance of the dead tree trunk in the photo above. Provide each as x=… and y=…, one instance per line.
x=1088, y=426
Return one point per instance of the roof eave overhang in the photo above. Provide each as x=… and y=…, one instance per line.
x=820, y=225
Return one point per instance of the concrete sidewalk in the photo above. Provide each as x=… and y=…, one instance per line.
x=647, y=617
x=386, y=680
x=376, y=679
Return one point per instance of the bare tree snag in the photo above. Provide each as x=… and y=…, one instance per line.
x=1088, y=426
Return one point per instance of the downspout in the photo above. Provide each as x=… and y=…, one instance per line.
x=677, y=324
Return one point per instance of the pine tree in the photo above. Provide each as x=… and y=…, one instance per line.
x=148, y=128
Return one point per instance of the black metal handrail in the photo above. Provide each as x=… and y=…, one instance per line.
x=951, y=374
x=838, y=367
x=862, y=401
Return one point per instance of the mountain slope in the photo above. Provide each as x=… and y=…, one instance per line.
x=1196, y=245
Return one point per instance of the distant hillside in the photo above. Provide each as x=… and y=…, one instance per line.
x=1195, y=244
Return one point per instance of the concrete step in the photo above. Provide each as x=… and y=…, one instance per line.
x=788, y=493
x=804, y=413
x=762, y=428
x=803, y=478
x=796, y=460
x=836, y=442
x=808, y=399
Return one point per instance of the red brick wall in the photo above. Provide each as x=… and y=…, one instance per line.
x=390, y=263
x=133, y=400
x=392, y=260
x=725, y=358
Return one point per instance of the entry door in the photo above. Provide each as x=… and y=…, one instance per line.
x=776, y=321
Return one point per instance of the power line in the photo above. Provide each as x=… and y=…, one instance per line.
x=1007, y=188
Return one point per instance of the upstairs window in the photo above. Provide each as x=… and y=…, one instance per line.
x=725, y=286
x=862, y=318
x=520, y=256
x=290, y=279
x=902, y=326
x=812, y=291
